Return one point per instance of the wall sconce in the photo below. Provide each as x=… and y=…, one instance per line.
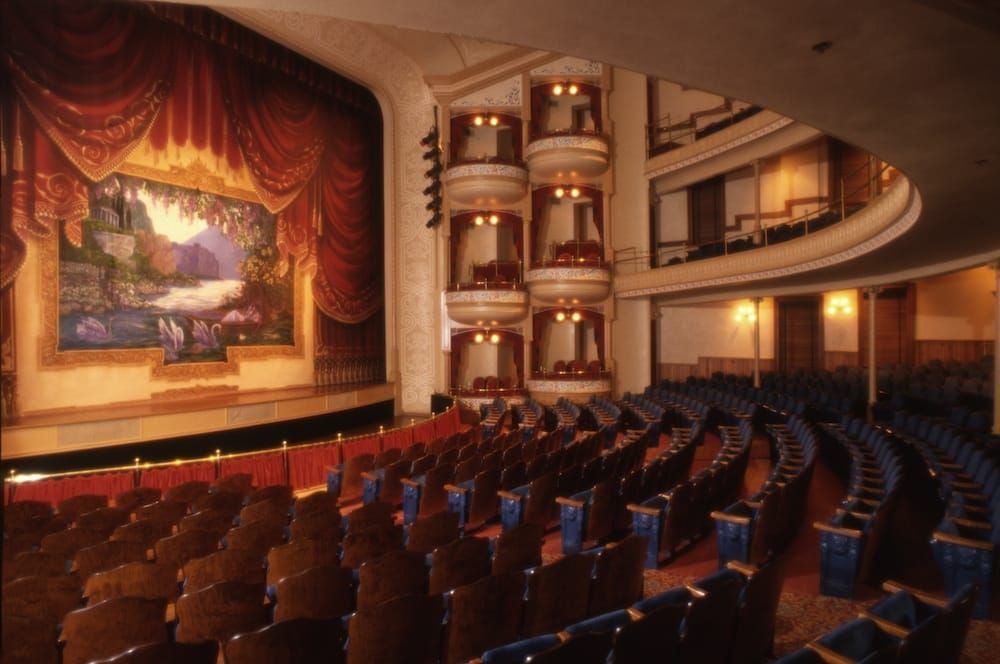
x=839, y=306
x=569, y=88
x=745, y=314
x=491, y=120
x=481, y=337
x=574, y=192
x=574, y=316
x=481, y=219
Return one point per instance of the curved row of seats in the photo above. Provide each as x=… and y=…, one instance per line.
x=853, y=539
x=528, y=417
x=909, y=626
x=565, y=415
x=754, y=529
x=727, y=617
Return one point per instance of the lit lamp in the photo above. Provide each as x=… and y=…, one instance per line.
x=560, y=192
x=560, y=316
x=744, y=314
x=479, y=220
x=575, y=317
x=839, y=306
x=494, y=338
x=494, y=121
x=479, y=338
x=478, y=121
x=494, y=220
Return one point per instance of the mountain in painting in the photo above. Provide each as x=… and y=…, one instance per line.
x=227, y=253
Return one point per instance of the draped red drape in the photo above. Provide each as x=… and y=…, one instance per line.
x=56, y=489
x=89, y=82
x=398, y=438
x=307, y=465
x=168, y=476
x=357, y=446
x=266, y=468
x=423, y=432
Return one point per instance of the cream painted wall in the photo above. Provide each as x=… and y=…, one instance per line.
x=48, y=388
x=480, y=142
x=558, y=226
x=558, y=343
x=680, y=103
x=673, y=216
x=630, y=329
x=957, y=306
x=479, y=245
x=560, y=112
x=840, y=325
x=477, y=360
x=710, y=330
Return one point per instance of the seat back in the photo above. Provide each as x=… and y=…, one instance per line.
x=182, y=547
x=74, y=506
x=592, y=648
x=709, y=628
x=757, y=609
x=287, y=559
x=618, y=576
x=257, y=537
x=241, y=483
x=270, y=511
x=391, y=575
x=186, y=492
x=434, y=497
x=364, y=545
x=219, y=611
x=167, y=652
x=103, y=519
x=218, y=521
x=429, y=532
x=518, y=549
x=43, y=598
x=107, y=555
x=351, y=485
x=406, y=629
x=290, y=642
x=459, y=563
x=557, y=594
x=111, y=627
x=144, y=531
x=225, y=565
x=318, y=501
x=316, y=525
x=318, y=592
x=485, y=503
x=656, y=631
x=540, y=507
x=33, y=563
x=68, y=542
x=228, y=502
x=391, y=492
x=372, y=514
x=164, y=511
x=140, y=579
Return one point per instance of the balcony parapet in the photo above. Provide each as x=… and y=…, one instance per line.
x=884, y=219
x=574, y=285
x=487, y=306
x=548, y=391
x=568, y=156
x=486, y=184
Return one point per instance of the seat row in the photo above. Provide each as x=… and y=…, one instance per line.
x=908, y=626
x=492, y=416
x=678, y=518
x=854, y=539
x=727, y=617
x=753, y=529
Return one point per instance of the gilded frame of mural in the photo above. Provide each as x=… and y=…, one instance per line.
x=194, y=176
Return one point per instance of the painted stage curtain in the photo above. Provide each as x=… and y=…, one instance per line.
x=88, y=82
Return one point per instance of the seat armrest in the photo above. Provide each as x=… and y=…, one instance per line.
x=650, y=511
x=963, y=541
x=731, y=518
x=454, y=488
x=369, y=476
x=898, y=631
x=409, y=482
x=969, y=523
x=837, y=530
x=924, y=596
x=827, y=655
x=569, y=502
x=509, y=495
x=746, y=569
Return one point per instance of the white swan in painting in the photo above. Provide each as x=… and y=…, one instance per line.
x=248, y=315
x=172, y=338
x=204, y=336
x=91, y=330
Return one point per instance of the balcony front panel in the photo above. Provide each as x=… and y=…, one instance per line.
x=548, y=391
x=567, y=157
x=479, y=307
x=569, y=285
x=486, y=185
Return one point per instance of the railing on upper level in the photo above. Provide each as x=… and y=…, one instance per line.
x=664, y=136
x=486, y=159
x=572, y=253
x=631, y=259
x=556, y=133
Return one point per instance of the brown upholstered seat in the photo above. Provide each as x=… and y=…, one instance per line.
x=29, y=641
x=186, y=492
x=617, y=581
x=429, y=532
x=206, y=652
x=228, y=502
x=164, y=511
x=112, y=627
x=274, y=493
x=81, y=504
x=224, y=565
x=363, y=545
x=518, y=549
x=213, y=520
x=318, y=592
x=391, y=575
x=317, y=525
x=459, y=563
x=241, y=483
x=257, y=537
x=483, y=615
x=350, y=483
x=299, y=641
x=107, y=555
x=139, y=579
x=287, y=559
x=267, y=511
x=68, y=542
x=219, y=611
x=134, y=498
x=144, y=531
x=372, y=514
x=182, y=547
x=557, y=594
x=406, y=629
x=33, y=563
x=20, y=513
x=318, y=501
x=47, y=598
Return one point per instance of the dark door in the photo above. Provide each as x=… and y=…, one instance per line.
x=799, y=336
x=894, y=326
x=708, y=211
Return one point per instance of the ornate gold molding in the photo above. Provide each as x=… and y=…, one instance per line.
x=195, y=175
x=193, y=392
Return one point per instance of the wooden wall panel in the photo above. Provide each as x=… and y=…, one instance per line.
x=677, y=371
x=959, y=350
x=840, y=358
x=741, y=366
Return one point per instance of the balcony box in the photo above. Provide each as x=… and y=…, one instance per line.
x=558, y=284
x=486, y=185
x=570, y=156
x=477, y=306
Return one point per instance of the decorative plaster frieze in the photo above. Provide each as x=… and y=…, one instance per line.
x=488, y=296
x=489, y=170
x=505, y=93
x=741, y=133
x=568, y=274
x=595, y=143
x=883, y=220
x=570, y=386
x=408, y=110
x=569, y=66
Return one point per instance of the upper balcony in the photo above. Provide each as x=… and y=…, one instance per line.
x=568, y=155
x=494, y=296
x=574, y=273
x=485, y=167
x=486, y=183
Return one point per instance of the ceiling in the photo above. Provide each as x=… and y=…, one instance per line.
x=913, y=81
x=439, y=54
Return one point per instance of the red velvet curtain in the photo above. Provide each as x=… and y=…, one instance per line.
x=267, y=468
x=423, y=432
x=307, y=465
x=56, y=489
x=397, y=438
x=165, y=477
x=88, y=82
x=358, y=446
x=594, y=93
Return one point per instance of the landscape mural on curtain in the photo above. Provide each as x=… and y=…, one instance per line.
x=162, y=266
